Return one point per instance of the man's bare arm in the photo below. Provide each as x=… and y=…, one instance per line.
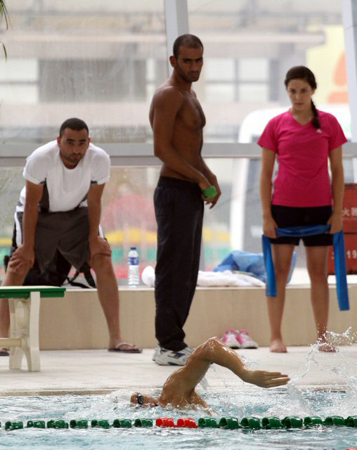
x=96, y=243
x=213, y=351
x=211, y=177
x=166, y=105
x=25, y=254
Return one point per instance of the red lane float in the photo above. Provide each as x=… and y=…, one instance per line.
x=168, y=422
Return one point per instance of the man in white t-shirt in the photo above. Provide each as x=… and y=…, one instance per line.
x=59, y=214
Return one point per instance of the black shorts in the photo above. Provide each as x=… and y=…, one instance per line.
x=287, y=216
x=67, y=232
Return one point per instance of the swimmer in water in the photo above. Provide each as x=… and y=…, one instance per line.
x=179, y=389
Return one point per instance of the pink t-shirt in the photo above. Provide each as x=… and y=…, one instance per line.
x=302, y=153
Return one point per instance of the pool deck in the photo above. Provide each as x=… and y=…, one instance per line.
x=98, y=371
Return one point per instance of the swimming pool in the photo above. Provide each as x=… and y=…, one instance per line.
x=258, y=403
x=227, y=399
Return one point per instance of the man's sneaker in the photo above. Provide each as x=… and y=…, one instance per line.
x=188, y=350
x=230, y=339
x=156, y=352
x=245, y=340
x=166, y=357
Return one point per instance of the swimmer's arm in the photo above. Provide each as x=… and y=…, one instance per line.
x=337, y=173
x=213, y=351
x=166, y=105
x=266, y=186
x=96, y=243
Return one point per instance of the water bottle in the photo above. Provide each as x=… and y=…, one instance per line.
x=133, y=268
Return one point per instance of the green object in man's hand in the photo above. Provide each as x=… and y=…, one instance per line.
x=209, y=192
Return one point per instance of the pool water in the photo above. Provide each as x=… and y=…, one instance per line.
x=260, y=403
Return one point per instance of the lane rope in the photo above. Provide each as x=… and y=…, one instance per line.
x=227, y=423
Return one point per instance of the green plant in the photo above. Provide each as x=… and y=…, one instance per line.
x=4, y=15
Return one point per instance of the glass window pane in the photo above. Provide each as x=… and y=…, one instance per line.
x=18, y=70
x=150, y=90
x=220, y=93
x=150, y=70
x=128, y=216
x=18, y=94
x=85, y=60
x=253, y=92
x=219, y=69
x=253, y=69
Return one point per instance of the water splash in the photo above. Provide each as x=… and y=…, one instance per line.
x=204, y=384
x=336, y=363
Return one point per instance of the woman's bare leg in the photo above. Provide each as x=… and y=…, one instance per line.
x=317, y=268
x=282, y=256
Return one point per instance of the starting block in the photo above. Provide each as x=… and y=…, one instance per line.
x=24, y=304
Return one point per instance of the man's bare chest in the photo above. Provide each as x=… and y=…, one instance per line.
x=191, y=114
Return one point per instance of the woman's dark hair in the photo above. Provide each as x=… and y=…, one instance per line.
x=303, y=73
x=73, y=124
x=188, y=40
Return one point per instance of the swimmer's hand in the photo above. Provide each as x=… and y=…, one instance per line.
x=265, y=379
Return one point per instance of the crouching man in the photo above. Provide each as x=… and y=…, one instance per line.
x=59, y=214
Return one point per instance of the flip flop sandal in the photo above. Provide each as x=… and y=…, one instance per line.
x=117, y=348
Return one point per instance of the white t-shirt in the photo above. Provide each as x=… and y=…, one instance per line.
x=67, y=188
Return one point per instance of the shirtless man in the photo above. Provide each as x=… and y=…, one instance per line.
x=177, y=121
x=179, y=388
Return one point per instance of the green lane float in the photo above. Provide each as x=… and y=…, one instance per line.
x=125, y=423
x=229, y=423
x=337, y=421
x=144, y=423
x=14, y=425
x=61, y=424
x=57, y=424
x=271, y=423
x=207, y=422
x=351, y=421
x=50, y=424
x=116, y=423
x=313, y=421
x=78, y=424
x=36, y=424
x=292, y=422
x=253, y=423
x=100, y=424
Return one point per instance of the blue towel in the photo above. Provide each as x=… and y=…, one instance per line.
x=251, y=263
x=339, y=253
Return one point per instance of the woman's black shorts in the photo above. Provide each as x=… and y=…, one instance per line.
x=287, y=216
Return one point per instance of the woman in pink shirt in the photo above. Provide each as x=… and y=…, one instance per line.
x=302, y=140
